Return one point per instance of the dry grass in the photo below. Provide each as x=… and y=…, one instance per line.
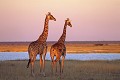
x=74, y=70
x=93, y=48
x=71, y=47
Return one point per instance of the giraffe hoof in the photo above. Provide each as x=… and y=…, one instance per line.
x=33, y=75
x=56, y=74
x=44, y=75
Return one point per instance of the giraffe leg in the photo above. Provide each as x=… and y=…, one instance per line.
x=56, y=67
x=41, y=63
x=44, y=66
x=60, y=66
x=57, y=59
x=52, y=67
x=63, y=58
x=32, y=67
x=52, y=63
x=44, y=55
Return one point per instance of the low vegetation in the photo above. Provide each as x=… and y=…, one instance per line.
x=74, y=70
x=72, y=47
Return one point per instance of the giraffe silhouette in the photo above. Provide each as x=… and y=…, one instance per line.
x=59, y=49
x=39, y=47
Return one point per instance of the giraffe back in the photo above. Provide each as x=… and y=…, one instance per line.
x=58, y=48
x=36, y=47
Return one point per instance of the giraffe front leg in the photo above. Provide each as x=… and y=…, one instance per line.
x=60, y=66
x=44, y=55
x=41, y=63
x=63, y=58
x=44, y=67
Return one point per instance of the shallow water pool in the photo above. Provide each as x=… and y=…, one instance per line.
x=74, y=56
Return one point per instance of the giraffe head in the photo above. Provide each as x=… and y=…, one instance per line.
x=68, y=22
x=50, y=16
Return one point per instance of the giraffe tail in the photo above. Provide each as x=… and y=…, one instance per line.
x=28, y=63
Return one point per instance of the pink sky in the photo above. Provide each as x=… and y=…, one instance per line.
x=92, y=20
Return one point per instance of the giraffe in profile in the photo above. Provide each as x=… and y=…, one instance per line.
x=59, y=49
x=40, y=47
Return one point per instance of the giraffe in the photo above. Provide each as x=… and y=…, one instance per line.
x=59, y=49
x=39, y=47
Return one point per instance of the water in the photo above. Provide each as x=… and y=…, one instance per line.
x=90, y=56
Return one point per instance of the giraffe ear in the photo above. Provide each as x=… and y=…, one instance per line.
x=68, y=19
x=49, y=13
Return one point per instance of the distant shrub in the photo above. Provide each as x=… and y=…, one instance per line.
x=99, y=44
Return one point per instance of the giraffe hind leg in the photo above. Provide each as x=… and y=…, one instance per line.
x=32, y=69
x=63, y=58
x=32, y=65
x=52, y=62
x=52, y=58
x=56, y=60
x=60, y=66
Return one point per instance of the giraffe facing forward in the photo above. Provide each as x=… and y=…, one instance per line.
x=59, y=48
x=40, y=47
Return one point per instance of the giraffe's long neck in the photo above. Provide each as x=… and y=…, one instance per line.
x=63, y=36
x=44, y=35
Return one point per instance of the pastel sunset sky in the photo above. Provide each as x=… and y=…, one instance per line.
x=92, y=20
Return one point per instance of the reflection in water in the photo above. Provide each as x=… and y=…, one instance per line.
x=90, y=56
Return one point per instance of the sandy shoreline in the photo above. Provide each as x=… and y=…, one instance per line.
x=72, y=47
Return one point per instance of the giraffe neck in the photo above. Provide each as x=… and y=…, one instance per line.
x=44, y=35
x=63, y=36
